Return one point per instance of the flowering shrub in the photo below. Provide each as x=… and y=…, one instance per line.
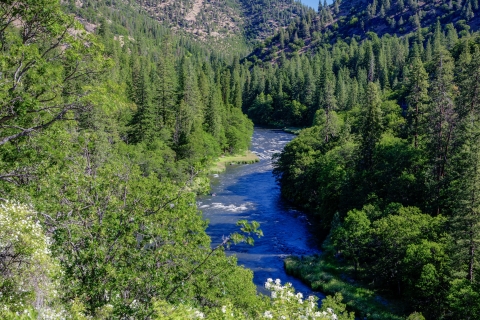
x=27, y=288
x=286, y=304
x=283, y=304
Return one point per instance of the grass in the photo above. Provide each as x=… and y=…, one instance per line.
x=221, y=164
x=325, y=274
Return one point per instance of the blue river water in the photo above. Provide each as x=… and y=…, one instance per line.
x=250, y=192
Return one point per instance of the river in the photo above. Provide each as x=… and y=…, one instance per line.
x=250, y=192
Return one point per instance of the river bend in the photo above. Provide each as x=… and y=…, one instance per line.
x=250, y=192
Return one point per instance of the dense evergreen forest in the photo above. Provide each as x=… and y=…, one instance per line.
x=389, y=166
x=110, y=121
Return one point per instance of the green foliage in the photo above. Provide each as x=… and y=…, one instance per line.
x=47, y=61
x=28, y=285
x=284, y=304
x=108, y=133
x=325, y=274
x=394, y=132
x=113, y=182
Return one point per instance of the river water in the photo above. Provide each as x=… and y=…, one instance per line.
x=250, y=192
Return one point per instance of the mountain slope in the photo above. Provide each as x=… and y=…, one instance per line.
x=357, y=18
x=207, y=19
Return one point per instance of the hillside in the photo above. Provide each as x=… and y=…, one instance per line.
x=397, y=17
x=255, y=19
x=226, y=26
x=344, y=20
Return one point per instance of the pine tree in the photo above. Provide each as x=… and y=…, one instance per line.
x=464, y=197
x=282, y=38
x=428, y=53
x=452, y=36
x=382, y=12
x=188, y=109
x=143, y=120
x=341, y=91
x=387, y=5
x=464, y=189
x=437, y=38
x=371, y=129
x=442, y=120
x=166, y=87
x=469, y=12
x=370, y=62
x=236, y=84
x=417, y=88
x=326, y=89
x=469, y=82
x=353, y=94
x=214, y=115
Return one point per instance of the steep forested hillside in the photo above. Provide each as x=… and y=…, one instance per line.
x=226, y=18
x=264, y=17
x=227, y=25
x=345, y=20
x=389, y=163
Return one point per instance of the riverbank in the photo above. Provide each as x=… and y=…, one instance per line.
x=293, y=130
x=221, y=164
x=325, y=274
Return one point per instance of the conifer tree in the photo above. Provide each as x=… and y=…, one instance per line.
x=469, y=82
x=166, y=87
x=236, y=84
x=188, y=109
x=464, y=194
x=371, y=129
x=442, y=120
x=214, y=115
x=417, y=88
x=143, y=120
x=387, y=5
x=464, y=197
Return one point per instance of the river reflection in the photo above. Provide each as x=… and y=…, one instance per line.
x=250, y=192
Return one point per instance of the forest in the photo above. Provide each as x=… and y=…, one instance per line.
x=105, y=141
x=389, y=167
x=110, y=120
